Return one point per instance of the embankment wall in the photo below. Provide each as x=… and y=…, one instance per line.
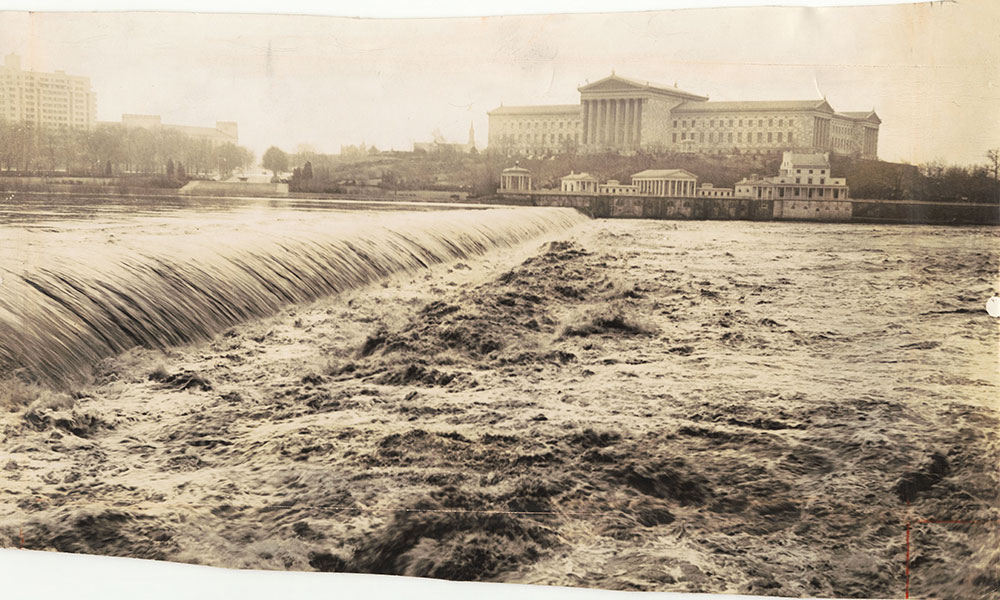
x=844, y=211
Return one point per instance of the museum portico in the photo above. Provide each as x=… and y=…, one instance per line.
x=613, y=111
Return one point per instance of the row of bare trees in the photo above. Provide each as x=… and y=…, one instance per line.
x=111, y=147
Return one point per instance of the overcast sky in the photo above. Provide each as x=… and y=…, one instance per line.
x=932, y=71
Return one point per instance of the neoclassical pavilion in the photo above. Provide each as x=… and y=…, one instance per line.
x=674, y=183
x=515, y=179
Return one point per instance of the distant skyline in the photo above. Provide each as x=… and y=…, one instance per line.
x=930, y=71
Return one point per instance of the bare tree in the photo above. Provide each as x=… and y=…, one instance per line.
x=994, y=157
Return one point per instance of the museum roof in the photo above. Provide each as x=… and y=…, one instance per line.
x=543, y=109
x=614, y=83
x=863, y=115
x=752, y=105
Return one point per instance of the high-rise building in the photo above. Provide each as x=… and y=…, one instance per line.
x=45, y=99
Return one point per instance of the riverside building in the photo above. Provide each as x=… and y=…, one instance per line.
x=576, y=183
x=623, y=115
x=800, y=177
x=223, y=132
x=675, y=183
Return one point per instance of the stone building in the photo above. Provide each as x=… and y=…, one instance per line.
x=800, y=177
x=579, y=183
x=535, y=129
x=707, y=190
x=623, y=115
x=441, y=146
x=45, y=99
x=223, y=132
x=613, y=187
x=674, y=183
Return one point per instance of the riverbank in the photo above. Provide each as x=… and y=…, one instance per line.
x=724, y=407
x=745, y=209
x=862, y=211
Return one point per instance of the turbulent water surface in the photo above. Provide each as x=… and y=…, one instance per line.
x=772, y=408
x=81, y=283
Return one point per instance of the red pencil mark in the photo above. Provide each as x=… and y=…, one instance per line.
x=907, y=560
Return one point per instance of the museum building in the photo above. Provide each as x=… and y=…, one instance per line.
x=617, y=114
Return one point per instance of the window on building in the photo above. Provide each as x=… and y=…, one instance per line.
x=835, y=194
x=684, y=123
x=781, y=192
x=810, y=171
x=789, y=137
x=675, y=138
x=798, y=180
x=769, y=137
x=822, y=180
x=781, y=122
x=741, y=122
x=779, y=137
x=684, y=136
x=810, y=181
x=730, y=122
x=730, y=135
x=711, y=123
x=820, y=192
x=760, y=136
x=675, y=124
x=701, y=138
x=739, y=136
x=770, y=122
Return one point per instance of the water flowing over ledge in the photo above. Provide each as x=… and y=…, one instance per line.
x=65, y=308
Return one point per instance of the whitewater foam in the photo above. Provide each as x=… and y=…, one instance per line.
x=68, y=302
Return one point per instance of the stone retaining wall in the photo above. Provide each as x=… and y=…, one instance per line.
x=854, y=211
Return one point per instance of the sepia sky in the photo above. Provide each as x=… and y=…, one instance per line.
x=931, y=71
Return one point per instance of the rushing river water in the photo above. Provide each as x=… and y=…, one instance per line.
x=757, y=407
x=84, y=279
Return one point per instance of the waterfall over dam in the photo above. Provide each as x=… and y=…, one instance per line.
x=67, y=301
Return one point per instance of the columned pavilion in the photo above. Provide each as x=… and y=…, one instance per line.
x=515, y=179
